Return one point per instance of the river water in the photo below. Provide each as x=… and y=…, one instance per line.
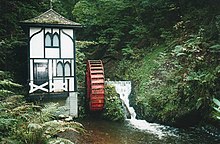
x=99, y=131
x=134, y=131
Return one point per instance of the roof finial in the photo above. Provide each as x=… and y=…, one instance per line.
x=51, y=4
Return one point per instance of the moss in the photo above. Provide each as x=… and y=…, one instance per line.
x=113, y=106
x=46, y=21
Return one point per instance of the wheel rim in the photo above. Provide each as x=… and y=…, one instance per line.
x=95, y=84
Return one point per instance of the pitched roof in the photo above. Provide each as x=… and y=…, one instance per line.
x=51, y=17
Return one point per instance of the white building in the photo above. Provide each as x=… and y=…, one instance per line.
x=52, y=55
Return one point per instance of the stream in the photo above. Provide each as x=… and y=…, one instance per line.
x=135, y=131
x=99, y=131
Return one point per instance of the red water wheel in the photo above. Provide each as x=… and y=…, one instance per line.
x=95, y=84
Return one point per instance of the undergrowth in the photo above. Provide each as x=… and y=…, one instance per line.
x=175, y=85
x=113, y=109
x=27, y=123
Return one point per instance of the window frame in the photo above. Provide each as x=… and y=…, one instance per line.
x=51, y=36
x=57, y=69
x=67, y=63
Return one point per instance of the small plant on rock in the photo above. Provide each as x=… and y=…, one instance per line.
x=113, y=106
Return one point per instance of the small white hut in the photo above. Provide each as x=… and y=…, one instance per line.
x=51, y=56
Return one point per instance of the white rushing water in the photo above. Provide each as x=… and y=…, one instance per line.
x=123, y=88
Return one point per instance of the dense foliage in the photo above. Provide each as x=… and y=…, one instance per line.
x=179, y=84
x=170, y=49
x=113, y=109
x=127, y=26
x=22, y=122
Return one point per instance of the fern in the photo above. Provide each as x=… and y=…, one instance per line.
x=37, y=130
x=22, y=122
x=215, y=48
x=4, y=93
x=60, y=141
x=9, y=84
x=55, y=127
x=48, y=112
x=7, y=87
x=6, y=124
x=216, y=108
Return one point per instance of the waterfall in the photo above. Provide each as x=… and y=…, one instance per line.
x=123, y=88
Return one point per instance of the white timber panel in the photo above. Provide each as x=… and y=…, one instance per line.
x=40, y=61
x=37, y=44
x=56, y=30
x=71, y=83
x=54, y=67
x=31, y=71
x=58, y=85
x=47, y=30
x=34, y=30
x=72, y=67
x=67, y=61
x=50, y=68
x=67, y=44
x=34, y=87
x=52, y=53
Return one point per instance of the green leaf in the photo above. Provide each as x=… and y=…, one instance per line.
x=178, y=49
x=180, y=54
x=199, y=103
x=217, y=109
x=7, y=83
x=217, y=69
x=215, y=47
x=217, y=102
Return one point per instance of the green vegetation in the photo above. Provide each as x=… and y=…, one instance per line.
x=22, y=122
x=113, y=106
x=169, y=49
x=217, y=108
x=175, y=84
x=180, y=88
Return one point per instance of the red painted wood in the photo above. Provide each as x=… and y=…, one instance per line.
x=95, y=84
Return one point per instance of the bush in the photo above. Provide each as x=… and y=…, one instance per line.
x=27, y=123
x=113, y=106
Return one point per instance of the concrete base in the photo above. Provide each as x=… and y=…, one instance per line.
x=72, y=104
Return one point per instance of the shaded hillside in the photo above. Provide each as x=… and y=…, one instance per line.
x=169, y=49
x=125, y=29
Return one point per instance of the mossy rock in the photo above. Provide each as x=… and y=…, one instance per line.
x=113, y=109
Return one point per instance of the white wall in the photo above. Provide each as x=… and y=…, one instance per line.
x=66, y=43
x=52, y=52
x=36, y=43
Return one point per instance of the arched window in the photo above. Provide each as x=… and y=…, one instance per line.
x=59, y=69
x=48, y=40
x=67, y=69
x=52, y=40
x=55, y=40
